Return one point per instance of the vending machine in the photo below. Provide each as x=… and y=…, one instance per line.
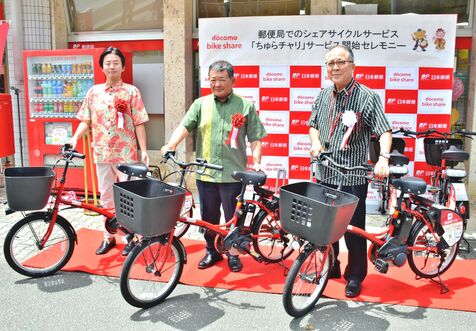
x=56, y=82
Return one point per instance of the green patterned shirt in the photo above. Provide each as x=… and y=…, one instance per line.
x=211, y=120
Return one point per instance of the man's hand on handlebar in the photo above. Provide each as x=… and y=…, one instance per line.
x=382, y=169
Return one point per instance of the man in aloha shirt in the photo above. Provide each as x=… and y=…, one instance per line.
x=222, y=122
x=116, y=114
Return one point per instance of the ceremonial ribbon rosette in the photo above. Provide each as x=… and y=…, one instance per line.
x=349, y=119
x=121, y=108
x=237, y=121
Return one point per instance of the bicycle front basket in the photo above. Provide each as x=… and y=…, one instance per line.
x=28, y=188
x=148, y=207
x=315, y=212
x=433, y=148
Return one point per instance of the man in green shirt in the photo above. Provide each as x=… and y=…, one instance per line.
x=222, y=122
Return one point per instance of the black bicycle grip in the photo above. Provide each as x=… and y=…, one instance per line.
x=214, y=166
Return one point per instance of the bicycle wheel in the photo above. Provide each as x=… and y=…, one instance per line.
x=306, y=280
x=151, y=271
x=426, y=264
x=271, y=242
x=21, y=246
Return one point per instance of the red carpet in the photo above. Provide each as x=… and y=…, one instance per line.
x=398, y=286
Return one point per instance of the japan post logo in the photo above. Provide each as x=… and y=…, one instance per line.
x=265, y=98
x=294, y=167
x=422, y=125
x=425, y=76
x=296, y=75
x=391, y=101
x=359, y=76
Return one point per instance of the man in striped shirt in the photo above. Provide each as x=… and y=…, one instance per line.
x=343, y=118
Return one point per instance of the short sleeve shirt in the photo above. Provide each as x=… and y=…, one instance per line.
x=211, y=120
x=327, y=114
x=112, y=143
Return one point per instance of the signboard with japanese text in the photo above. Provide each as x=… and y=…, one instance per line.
x=279, y=66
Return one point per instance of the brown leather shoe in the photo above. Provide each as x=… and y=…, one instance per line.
x=209, y=260
x=106, y=246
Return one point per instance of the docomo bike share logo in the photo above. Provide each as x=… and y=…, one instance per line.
x=224, y=42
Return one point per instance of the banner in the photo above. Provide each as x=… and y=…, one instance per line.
x=3, y=38
x=279, y=66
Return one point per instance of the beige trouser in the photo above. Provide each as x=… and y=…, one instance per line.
x=108, y=175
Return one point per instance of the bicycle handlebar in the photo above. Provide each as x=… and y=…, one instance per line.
x=68, y=152
x=323, y=156
x=431, y=132
x=170, y=155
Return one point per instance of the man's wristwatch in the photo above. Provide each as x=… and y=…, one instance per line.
x=385, y=155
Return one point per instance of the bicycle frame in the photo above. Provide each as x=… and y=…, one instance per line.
x=222, y=230
x=58, y=199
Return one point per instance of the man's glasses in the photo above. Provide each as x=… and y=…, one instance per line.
x=339, y=63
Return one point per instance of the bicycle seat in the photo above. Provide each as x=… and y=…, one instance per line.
x=413, y=185
x=133, y=169
x=397, y=158
x=250, y=177
x=454, y=154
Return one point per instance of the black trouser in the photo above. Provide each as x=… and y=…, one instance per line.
x=212, y=196
x=357, y=246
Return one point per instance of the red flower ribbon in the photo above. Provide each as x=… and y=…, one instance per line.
x=237, y=121
x=121, y=108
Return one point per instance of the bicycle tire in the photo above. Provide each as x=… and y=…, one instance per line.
x=306, y=280
x=426, y=264
x=272, y=250
x=21, y=246
x=142, y=285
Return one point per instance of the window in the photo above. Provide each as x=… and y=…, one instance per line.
x=218, y=8
x=110, y=15
x=460, y=7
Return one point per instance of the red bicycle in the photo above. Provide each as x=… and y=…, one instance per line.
x=419, y=231
x=42, y=242
x=150, y=208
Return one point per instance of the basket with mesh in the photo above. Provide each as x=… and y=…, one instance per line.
x=148, y=207
x=28, y=188
x=315, y=212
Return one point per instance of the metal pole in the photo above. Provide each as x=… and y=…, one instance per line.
x=17, y=93
x=227, y=4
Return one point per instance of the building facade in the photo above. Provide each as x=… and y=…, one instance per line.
x=162, y=34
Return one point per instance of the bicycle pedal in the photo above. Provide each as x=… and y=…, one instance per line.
x=381, y=266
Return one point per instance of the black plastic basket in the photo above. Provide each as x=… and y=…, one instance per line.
x=148, y=207
x=28, y=188
x=435, y=146
x=374, y=147
x=315, y=212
